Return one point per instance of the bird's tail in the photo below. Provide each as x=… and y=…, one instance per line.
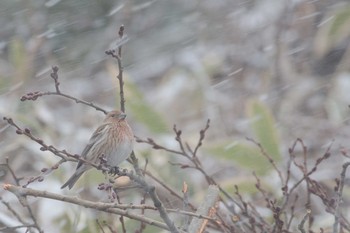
x=71, y=181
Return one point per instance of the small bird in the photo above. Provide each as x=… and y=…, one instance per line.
x=114, y=140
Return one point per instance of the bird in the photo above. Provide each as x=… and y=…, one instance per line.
x=113, y=140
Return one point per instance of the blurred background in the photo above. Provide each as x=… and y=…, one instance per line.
x=271, y=70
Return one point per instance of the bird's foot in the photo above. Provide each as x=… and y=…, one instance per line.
x=114, y=170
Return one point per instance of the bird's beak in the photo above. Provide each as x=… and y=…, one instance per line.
x=122, y=116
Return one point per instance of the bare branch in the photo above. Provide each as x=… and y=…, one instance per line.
x=24, y=201
x=201, y=137
x=8, y=229
x=302, y=223
x=105, y=207
x=268, y=157
x=54, y=74
x=118, y=57
x=339, y=197
x=152, y=192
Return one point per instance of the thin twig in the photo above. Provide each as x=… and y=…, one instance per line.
x=304, y=169
x=339, y=197
x=164, y=185
x=268, y=157
x=186, y=219
x=120, y=75
x=156, y=146
x=142, y=225
x=54, y=74
x=244, y=209
x=179, y=140
x=13, y=174
x=325, y=156
x=9, y=207
x=201, y=137
x=118, y=57
x=99, y=225
x=292, y=209
x=302, y=223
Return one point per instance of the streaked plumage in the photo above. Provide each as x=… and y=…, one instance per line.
x=113, y=139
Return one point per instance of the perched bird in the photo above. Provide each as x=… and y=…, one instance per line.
x=113, y=139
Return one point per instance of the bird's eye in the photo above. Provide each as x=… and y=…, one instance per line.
x=113, y=115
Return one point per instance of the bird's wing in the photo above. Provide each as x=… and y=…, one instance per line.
x=95, y=138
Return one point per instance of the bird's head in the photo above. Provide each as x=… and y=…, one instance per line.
x=115, y=115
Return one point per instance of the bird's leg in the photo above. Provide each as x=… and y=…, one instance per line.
x=103, y=164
